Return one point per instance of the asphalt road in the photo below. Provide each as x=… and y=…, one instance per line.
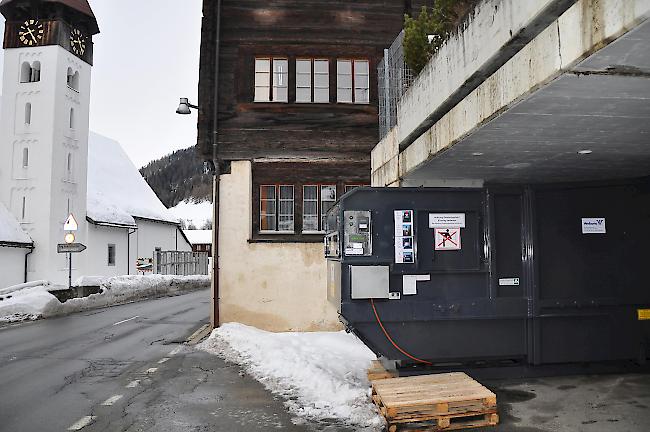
x=122, y=368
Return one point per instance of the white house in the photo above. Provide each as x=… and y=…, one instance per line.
x=47, y=171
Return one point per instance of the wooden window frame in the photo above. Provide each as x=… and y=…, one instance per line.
x=277, y=201
x=271, y=79
x=312, y=80
x=319, y=205
x=353, y=88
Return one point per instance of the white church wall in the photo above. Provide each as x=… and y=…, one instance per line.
x=47, y=190
x=12, y=266
x=99, y=238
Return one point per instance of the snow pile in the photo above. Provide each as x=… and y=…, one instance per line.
x=34, y=302
x=193, y=213
x=322, y=376
x=116, y=190
x=27, y=304
x=124, y=289
x=10, y=230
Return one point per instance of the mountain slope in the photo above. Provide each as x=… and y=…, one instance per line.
x=178, y=177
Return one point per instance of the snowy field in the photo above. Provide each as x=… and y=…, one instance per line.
x=321, y=376
x=33, y=301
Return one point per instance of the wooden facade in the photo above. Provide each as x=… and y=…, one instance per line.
x=290, y=142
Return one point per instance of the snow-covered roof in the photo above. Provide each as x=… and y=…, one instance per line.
x=193, y=213
x=197, y=237
x=10, y=230
x=117, y=193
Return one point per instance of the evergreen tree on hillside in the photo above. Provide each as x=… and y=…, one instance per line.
x=178, y=177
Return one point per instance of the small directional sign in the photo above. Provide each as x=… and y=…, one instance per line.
x=71, y=224
x=70, y=248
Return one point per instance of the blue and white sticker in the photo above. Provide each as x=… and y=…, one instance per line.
x=593, y=226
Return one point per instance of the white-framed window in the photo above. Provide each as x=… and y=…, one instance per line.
x=23, y=211
x=277, y=208
x=317, y=199
x=312, y=81
x=310, y=208
x=353, y=81
x=271, y=79
x=25, y=157
x=327, y=200
x=73, y=122
x=111, y=255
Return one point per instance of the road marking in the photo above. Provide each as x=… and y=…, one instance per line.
x=151, y=370
x=176, y=350
x=163, y=360
x=126, y=320
x=111, y=400
x=82, y=423
x=133, y=384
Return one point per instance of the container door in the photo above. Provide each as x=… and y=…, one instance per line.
x=508, y=287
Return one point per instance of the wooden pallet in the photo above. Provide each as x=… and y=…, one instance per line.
x=442, y=401
x=376, y=372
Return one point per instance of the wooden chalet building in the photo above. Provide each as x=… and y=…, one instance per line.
x=297, y=119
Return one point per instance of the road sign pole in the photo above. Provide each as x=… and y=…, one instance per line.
x=69, y=271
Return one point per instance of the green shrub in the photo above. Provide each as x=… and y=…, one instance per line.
x=439, y=22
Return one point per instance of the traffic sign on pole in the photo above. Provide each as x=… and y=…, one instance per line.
x=71, y=224
x=70, y=248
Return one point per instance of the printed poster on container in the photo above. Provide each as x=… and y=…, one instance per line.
x=404, y=246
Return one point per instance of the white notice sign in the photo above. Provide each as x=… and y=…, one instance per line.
x=446, y=220
x=593, y=226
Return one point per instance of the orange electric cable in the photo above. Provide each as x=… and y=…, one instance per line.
x=372, y=302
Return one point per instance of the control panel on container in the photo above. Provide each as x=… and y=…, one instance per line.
x=357, y=233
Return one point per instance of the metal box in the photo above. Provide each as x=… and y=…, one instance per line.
x=369, y=282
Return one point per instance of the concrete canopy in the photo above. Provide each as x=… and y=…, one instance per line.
x=601, y=105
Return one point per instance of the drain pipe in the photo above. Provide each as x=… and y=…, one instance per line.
x=217, y=172
x=128, y=249
x=31, y=251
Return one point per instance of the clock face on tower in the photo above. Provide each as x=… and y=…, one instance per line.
x=77, y=42
x=31, y=32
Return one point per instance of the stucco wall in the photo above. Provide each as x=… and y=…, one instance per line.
x=12, y=266
x=97, y=253
x=584, y=28
x=272, y=286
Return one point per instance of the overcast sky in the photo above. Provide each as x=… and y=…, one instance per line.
x=146, y=57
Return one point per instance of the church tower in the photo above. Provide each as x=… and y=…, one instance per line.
x=48, y=54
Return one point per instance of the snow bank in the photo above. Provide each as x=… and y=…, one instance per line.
x=28, y=304
x=322, y=376
x=124, y=289
x=31, y=303
x=19, y=287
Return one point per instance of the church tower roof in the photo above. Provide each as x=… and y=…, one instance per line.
x=21, y=9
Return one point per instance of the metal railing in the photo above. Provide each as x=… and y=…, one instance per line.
x=181, y=263
x=394, y=78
